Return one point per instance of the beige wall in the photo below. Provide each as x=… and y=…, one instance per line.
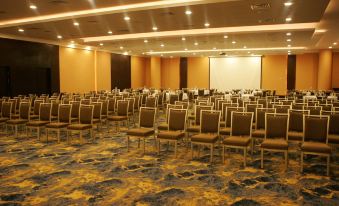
x=325, y=70
x=307, y=71
x=170, y=73
x=138, y=71
x=198, y=72
x=335, y=70
x=274, y=73
x=103, y=70
x=155, y=71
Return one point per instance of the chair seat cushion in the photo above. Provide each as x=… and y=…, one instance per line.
x=17, y=121
x=237, y=141
x=3, y=119
x=333, y=139
x=34, y=116
x=57, y=125
x=225, y=131
x=204, y=138
x=258, y=133
x=279, y=144
x=143, y=132
x=296, y=136
x=79, y=126
x=163, y=126
x=194, y=128
x=316, y=147
x=15, y=116
x=171, y=135
x=117, y=118
x=36, y=123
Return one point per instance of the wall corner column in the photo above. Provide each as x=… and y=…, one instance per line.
x=325, y=70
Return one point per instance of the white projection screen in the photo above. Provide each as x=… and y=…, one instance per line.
x=235, y=73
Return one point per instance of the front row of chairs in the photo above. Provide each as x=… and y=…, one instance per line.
x=314, y=141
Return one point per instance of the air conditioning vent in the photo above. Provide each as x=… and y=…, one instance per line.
x=260, y=7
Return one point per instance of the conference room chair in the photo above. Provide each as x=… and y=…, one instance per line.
x=85, y=123
x=6, y=108
x=55, y=110
x=65, y=100
x=299, y=106
x=312, y=103
x=75, y=111
x=44, y=118
x=333, y=134
x=272, y=104
x=104, y=111
x=111, y=105
x=97, y=117
x=296, y=122
x=137, y=99
x=253, y=108
x=36, y=109
x=222, y=101
x=85, y=101
x=164, y=125
x=23, y=118
x=173, y=98
x=195, y=127
x=146, y=127
x=315, y=138
x=13, y=110
x=263, y=102
x=326, y=107
x=94, y=99
x=17, y=103
x=121, y=114
x=241, y=133
x=64, y=119
x=314, y=110
x=227, y=111
x=161, y=100
x=131, y=111
x=335, y=109
x=183, y=103
x=213, y=99
x=209, y=131
x=176, y=128
x=259, y=131
x=143, y=99
x=287, y=102
x=151, y=102
x=276, y=135
x=282, y=108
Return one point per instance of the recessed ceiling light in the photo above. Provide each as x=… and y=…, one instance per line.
x=233, y=42
x=71, y=46
x=162, y=55
x=185, y=49
x=334, y=43
x=21, y=30
x=59, y=37
x=214, y=48
x=320, y=31
x=76, y=24
x=288, y=34
x=127, y=18
x=125, y=53
x=121, y=47
x=289, y=51
x=88, y=48
x=101, y=44
x=207, y=24
x=330, y=47
x=110, y=32
x=289, y=45
x=196, y=43
x=288, y=19
x=33, y=7
x=145, y=41
x=245, y=47
x=225, y=36
x=248, y=52
x=162, y=45
x=155, y=28
x=288, y=3
x=288, y=40
x=188, y=12
x=72, y=42
x=183, y=39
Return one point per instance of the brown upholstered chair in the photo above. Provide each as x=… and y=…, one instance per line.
x=335, y=109
x=253, y=108
x=315, y=139
x=195, y=128
x=326, y=107
x=6, y=113
x=263, y=101
x=111, y=106
x=75, y=111
x=151, y=101
x=226, y=130
x=97, y=109
x=164, y=126
x=176, y=128
x=85, y=101
x=131, y=113
x=64, y=119
x=209, y=130
x=104, y=111
x=36, y=109
x=24, y=113
x=314, y=110
x=94, y=99
x=184, y=104
x=14, y=110
x=241, y=133
x=296, y=121
x=312, y=103
x=223, y=101
x=122, y=114
x=333, y=134
x=259, y=131
x=299, y=106
x=55, y=110
x=173, y=98
x=44, y=118
x=282, y=108
x=276, y=135
x=85, y=122
x=146, y=126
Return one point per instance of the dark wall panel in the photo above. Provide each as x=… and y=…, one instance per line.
x=183, y=72
x=120, y=71
x=291, y=71
x=33, y=67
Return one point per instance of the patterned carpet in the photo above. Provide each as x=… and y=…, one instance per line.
x=104, y=173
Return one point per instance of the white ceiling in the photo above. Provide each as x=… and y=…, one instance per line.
x=254, y=31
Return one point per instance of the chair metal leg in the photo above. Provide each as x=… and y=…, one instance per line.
x=328, y=165
x=301, y=161
x=262, y=158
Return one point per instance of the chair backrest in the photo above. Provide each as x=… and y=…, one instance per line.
x=316, y=128
x=137, y=99
x=282, y=108
x=209, y=121
x=75, y=109
x=1, y=105
x=276, y=125
x=263, y=101
x=326, y=107
x=312, y=103
x=151, y=101
x=97, y=108
x=260, y=117
x=86, y=114
x=334, y=121
x=55, y=108
x=228, y=116
x=104, y=110
x=314, y=110
x=241, y=123
x=17, y=102
x=130, y=104
x=335, y=108
x=45, y=112
x=65, y=100
x=122, y=107
x=36, y=107
x=6, y=109
x=253, y=108
x=177, y=119
x=173, y=98
x=94, y=99
x=111, y=104
x=198, y=108
x=14, y=101
x=299, y=106
x=147, y=117
x=220, y=102
x=24, y=110
x=64, y=114
x=85, y=101
x=296, y=120
x=184, y=104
